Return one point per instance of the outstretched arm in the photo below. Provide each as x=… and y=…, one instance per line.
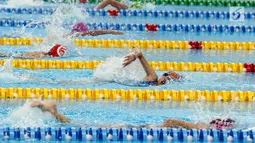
x=101, y=32
x=51, y=107
x=113, y=3
x=32, y=55
x=150, y=73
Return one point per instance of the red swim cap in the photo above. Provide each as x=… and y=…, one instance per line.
x=57, y=50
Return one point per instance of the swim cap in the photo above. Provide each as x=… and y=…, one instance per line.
x=55, y=51
x=80, y=27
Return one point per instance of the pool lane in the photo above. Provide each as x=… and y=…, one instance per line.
x=107, y=78
x=166, y=55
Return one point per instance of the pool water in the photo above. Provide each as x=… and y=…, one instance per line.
x=106, y=113
x=101, y=113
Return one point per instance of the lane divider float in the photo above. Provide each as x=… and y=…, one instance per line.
x=140, y=27
x=157, y=44
x=247, y=3
x=121, y=94
x=159, y=65
x=217, y=15
x=83, y=134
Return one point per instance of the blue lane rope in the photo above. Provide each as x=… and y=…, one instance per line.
x=140, y=27
x=136, y=13
x=123, y=134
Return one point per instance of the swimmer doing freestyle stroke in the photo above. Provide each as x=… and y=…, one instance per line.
x=116, y=4
x=60, y=50
x=81, y=29
x=51, y=107
x=56, y=51
x=151, y=77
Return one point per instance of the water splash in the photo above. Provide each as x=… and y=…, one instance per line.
x=7, y=75
x=149, y=6
x=56, y=26
x=56, y=33
x=112, y=70
x=26, y=116
x=20, y=3
x=6, y=72
x=7, y=67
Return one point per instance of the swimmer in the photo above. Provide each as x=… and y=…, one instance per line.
x=115, y=4
x=57, y=51
x=51, y=107
x=82, y=29
x=151, y=77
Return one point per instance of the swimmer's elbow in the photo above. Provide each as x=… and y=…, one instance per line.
x=152, y=78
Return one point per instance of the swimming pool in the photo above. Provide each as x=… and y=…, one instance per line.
x=217, y=81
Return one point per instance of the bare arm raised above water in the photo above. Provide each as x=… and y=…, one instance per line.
x=113, y=3
x=150, y=73
x=51, y=107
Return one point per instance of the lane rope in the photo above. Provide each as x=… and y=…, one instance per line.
x=157, y=44
x=141, y=27
x=121, y=94
x=125, y=134
x=247, y=3
x=156, y=65
x=208, y=15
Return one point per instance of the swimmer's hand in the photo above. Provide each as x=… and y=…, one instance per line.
x=48, y=106
x=36, y=103
x=128, y=60
x=118, y=33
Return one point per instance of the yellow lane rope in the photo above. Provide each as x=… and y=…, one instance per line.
x=163, y=66
x=121, y=94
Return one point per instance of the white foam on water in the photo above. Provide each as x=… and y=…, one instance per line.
x=7, y=75
x=149, y=6
x=6, y=72
x=112, y=70
x=56, y=33
x=7, y=67
x=27, y=116
x=22, y=3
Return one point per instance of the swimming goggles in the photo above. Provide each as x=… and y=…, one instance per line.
x=168, y=75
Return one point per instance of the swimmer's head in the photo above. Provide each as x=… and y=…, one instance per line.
x=57, y=51
x=220, y=124
x=168, y=76
x=80, y=27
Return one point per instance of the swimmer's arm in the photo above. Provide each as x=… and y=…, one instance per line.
x=101, y=32
x=113, y=3
x=150, y=73
x=62, y=118
x=173, y=123
x=51, y=107
x=32, y=55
